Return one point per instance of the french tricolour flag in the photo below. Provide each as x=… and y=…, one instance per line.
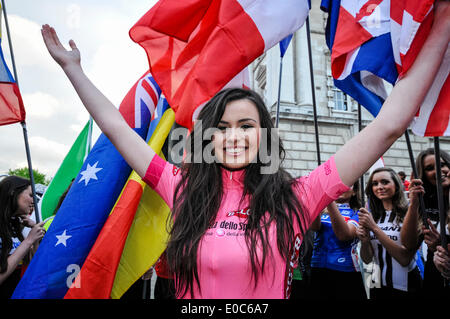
x=378, y=40
x=195, y=47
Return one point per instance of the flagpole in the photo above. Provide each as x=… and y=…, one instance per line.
x=316, y=126
x=277, y=120
x=24, y=126
x=361, y=179
x=416, y=175
x=440, y=193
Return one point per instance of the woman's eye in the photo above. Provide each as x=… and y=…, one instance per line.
x=246, y=126
x=222, y=128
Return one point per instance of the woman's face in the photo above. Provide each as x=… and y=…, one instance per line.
x=429, y=168
x=25, y=205
x=383, y=185
x=236, y=142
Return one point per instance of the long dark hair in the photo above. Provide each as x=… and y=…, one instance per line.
x=10, y=227
x=430, y=196
x=399, y=201
x=199, y=194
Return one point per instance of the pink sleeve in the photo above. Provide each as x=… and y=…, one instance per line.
x=319, y=188
x=162, y=177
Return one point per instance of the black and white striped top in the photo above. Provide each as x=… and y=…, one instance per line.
x=393, y=274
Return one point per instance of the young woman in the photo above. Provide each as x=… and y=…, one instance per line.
x=433, y=283
x=380, y=234
x=16, y=206
x=235, y=229
x=334, y=267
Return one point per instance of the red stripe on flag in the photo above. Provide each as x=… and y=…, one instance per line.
x=147, y=87
x=11, y=104
x=96, y=277
x=349, y=35
x=416, y=45
x=439, y=117
x=188, y=72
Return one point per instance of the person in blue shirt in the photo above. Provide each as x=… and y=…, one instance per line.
x=334, y=266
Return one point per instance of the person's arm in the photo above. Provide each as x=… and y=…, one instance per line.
x=19, y=254
x=316, y=224
x=399, y=252
x=359, y=153
x=366, y=251
x=133, y=148
x=409, y=233
x=341, y=229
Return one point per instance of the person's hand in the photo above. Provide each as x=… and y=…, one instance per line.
x=36, y=233
x=441, y=260
x=415, y=189
x=62, y=56
x=363, y=234
x=431, y=236
x=366, y=219
x=26, y=221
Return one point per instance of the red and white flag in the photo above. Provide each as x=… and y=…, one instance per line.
x=195, y=47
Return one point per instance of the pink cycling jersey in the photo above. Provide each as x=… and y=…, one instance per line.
x=223, y=259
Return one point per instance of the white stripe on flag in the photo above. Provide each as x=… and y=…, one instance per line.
x=267, y=15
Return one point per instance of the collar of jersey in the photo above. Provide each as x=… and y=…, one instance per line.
x=233, y=179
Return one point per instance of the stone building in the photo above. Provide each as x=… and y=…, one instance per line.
x=337, y=113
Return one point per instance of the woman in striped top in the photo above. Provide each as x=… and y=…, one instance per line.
x=379, y=232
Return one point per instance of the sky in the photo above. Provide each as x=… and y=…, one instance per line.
x=55, y=115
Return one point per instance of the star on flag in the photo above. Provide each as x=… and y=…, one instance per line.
x=89, y=173
x=62, y=239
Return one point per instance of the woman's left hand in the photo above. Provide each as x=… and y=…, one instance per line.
x=441, y=260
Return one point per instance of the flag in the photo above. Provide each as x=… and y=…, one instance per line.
x=196, y=47
x=69, y=169
x=372, y=41
x=11, y=104
x=78, y=222
x=97, y=274
x=284, y=44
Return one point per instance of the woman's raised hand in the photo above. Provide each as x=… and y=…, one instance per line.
x=62, y=56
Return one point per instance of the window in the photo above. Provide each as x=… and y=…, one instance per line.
x=340, y=100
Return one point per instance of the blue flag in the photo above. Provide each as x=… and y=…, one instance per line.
x=78, y=222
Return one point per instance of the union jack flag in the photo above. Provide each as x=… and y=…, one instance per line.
x=376, y=40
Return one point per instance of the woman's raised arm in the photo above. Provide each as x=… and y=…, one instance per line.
x=358, y=154
x=132, y=147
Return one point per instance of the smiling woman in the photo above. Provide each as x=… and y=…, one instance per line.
x=380, y=235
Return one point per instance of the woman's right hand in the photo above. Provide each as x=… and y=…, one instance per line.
x=36, y=233
x=62, y=56
x=431, y=236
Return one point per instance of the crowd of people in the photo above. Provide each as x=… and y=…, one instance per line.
x=238, y=231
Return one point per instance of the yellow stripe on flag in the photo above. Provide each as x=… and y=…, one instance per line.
x=147, y=238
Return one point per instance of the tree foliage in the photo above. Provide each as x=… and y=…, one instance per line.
x=39, y=178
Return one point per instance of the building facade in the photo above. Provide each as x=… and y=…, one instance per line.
x=337, y=113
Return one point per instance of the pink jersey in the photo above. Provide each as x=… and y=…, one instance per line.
x=223, y=259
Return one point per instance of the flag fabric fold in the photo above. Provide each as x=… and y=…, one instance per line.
x=193, y=56
x=372, y=41
x=12, y=109
x=68, y=171
x=96, y=277
x=78, y=222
